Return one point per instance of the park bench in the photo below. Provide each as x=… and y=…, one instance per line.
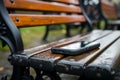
x=111, y=14
x=12, y=36
x=97, y=64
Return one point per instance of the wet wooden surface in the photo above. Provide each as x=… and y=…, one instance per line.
x=106, y=64
x=75, y=64
x=94, y=35
x=110, y=58
x=58, y=60
x=84, y=59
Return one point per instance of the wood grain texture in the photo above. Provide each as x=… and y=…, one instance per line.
x=109, y=58
x=84, y=59
x=47, y=56
x=96, y=34
x=106, y=64
x=41, y=6
x=37, y=20
x=109, y=10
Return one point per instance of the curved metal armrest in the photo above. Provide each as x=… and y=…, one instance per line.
x=9, y=34
x=89, y=22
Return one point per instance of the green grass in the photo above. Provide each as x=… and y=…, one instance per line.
x=32, y=36
x=3, y=49
x=28, y=34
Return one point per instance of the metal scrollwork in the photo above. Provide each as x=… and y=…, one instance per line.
x=92, y=9
x=9, y=33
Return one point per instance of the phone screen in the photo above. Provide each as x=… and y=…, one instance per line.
x=73, y=46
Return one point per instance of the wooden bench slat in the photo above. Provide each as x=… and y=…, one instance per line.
x=51, y=58
x=95, y=35
x=106, y=63
x=39, y=49
x=75, y=2
x=41, y=6
x=84, y=59
x=109, y=9
x=111, y=14
x=110, y=57
x=105, y=42
x=35, y=20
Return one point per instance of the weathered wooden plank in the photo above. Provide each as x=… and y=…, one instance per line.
x=109, y=9
x=47, y=59
x=94, y=35
x=37, y=5
x=23, y=20
x=105, y=65
x=72, y=64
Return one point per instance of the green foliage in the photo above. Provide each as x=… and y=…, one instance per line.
x=28, y=34
x=32, y=33
x=3, y=48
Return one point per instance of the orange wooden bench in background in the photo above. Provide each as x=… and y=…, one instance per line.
x=110, y=12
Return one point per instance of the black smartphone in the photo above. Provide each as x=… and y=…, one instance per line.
x=75, y=48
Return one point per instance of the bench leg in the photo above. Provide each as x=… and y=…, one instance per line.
x=82, y=77
x=43, y=75
x=46, y=33
x=68, y=31
x=98, y=25
x=117, y=74
x=83, y=26
x=21, y=73
x=4, y=78
x=118, y=28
